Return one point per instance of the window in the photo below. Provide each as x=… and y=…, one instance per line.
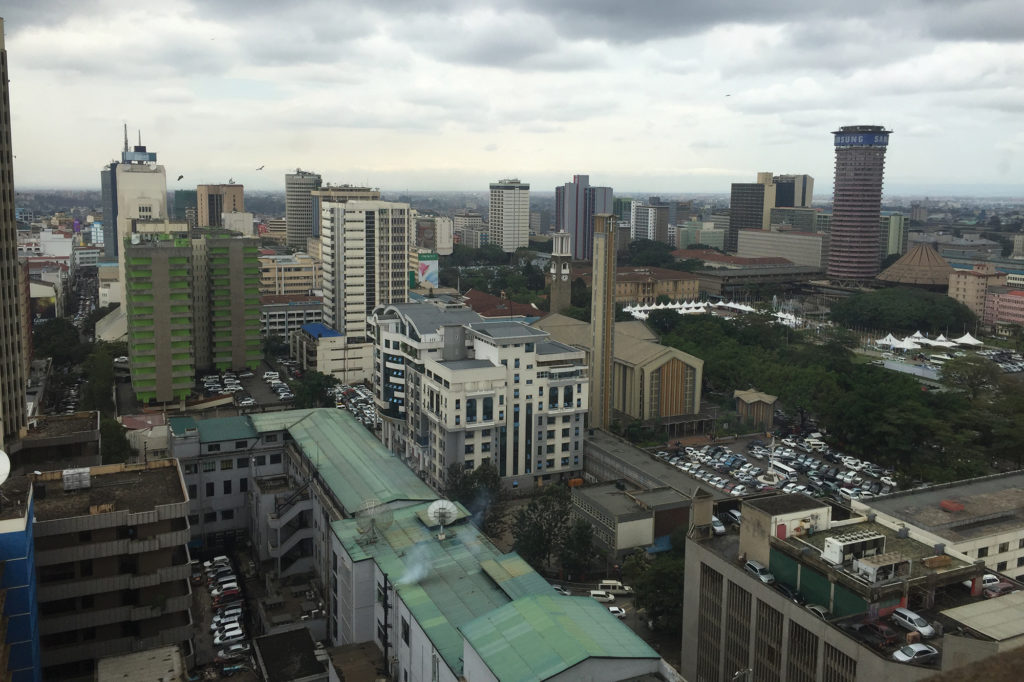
x=191, y=468
x=193, y=491
x=405, y=631
x=213, y=448
x=242, y=462
x=1004, y=547
x=982, y=552
x=227, y=487
x=470, y=449
x=550, y=449
x=1020, y=561
x=551, y=433
x=227, y=514
x=565, y=433
x=261, y=460
x=1001, y=566
x=226, y=464
x=209, y=465
x=270, y=438
x=565, y=447
x=209, y=490
x=193, y=519
x=210, y=517
x=488, y=413
x=485, y=447
x=515, y=394
x=243, y=485
x=241, y=444
x=515, y=377
x=275, y=458
x=517, y=367
x=1020, y=544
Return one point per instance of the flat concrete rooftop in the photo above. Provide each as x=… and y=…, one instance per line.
x=136, y=490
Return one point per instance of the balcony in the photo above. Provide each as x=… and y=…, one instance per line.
x=79, y=587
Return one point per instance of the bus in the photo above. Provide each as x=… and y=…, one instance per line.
x=787, y=471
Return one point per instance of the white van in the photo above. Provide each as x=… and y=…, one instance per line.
x=614, y=587
x=909, y=620
x=602, y=596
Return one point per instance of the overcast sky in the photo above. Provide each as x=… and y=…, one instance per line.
x=667, y=96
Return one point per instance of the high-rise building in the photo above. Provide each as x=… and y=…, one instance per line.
x=364, y=246
x=12, y=348
x=893, y=235
x=561, y=272
x=602, y=320
x=750, y=207
x=509, y=214
x=185, y=208
x=298, y=206
x=794, y=191
x=648, y=222
x=338, y=194
x=214, y=200
x=139, y=192
x=234, y=303
x=576, y=204
x=857, y=201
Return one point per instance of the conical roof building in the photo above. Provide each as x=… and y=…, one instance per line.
x=922, y=266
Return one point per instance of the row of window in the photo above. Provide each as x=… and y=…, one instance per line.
x=210, y=517
x=227, y=464
x=211, y=488
x=1003, y=547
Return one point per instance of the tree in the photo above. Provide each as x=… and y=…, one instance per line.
x=275, y=345
x=647, y=252
x=480, y=491
x=971, y=374
x=114, y=448
x=98, y=391
x=900, y=309
x=311, y=389
x=579, y=294
x=658, y=584
x=577, y=552
x=59, y=340
x=538, y=530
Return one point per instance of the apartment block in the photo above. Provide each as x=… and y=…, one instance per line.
x=234, y=302
x=508, y=217
x=298, y=206
x=290, y=274
x=970, y=287
x=112, y=564
x=453, y=388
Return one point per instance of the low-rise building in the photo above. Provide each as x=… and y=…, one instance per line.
x=646, y=284
x=970, y=287
x=291, y=274
x=624, y=519
x=319, y=348
x=1004, y=308
x=800, y=248
x=280, y=315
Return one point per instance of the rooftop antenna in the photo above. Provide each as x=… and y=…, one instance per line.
x=442, y=512
x=372, y=519
x=126, y=137
x=140, y=137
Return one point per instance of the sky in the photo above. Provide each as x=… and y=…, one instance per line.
x=660, y=96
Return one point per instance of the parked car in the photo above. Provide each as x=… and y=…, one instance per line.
x=908, y=620
x=760, y=571
x=234, y=651
x=915, y=653
x=879, y=634
x=602, y=596
x=819, y=611
x=562, y=591
x=790, y=593
x=999, y=589
x=987, y=580
x=717, y=526
x=617, y=611
x=230, y=636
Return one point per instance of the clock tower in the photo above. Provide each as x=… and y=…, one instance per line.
x=561, y=271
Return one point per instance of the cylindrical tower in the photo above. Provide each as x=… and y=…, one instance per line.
x=857, y=202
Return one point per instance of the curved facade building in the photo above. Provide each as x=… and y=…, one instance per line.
x=857, y=202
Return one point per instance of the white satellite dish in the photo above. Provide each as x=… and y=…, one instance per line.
x=5, y=466
x=442, y=512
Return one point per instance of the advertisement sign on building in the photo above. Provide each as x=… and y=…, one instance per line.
x=427, y=271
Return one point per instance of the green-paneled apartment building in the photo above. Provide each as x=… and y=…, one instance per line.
x=192, y=305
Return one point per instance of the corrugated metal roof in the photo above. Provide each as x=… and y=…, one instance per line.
x=540, y=636
x=354, y=464
x=215, y=430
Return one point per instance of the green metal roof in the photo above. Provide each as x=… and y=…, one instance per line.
x=538, y=637
x=350, y=460
x=214, y=430
x=460, y=578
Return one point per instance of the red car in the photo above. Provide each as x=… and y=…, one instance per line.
x=999, y=589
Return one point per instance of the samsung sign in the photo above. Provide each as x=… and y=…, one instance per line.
x=862, y=139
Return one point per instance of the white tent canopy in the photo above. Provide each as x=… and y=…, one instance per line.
x=887, y=341
x=968, y=340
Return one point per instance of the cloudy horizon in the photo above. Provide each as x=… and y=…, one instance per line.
x=451, y=94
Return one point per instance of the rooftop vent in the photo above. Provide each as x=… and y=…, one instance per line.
x=951, y=506
x=76, y=479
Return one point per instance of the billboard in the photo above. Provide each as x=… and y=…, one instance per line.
x=427, y=271
x=862, y=139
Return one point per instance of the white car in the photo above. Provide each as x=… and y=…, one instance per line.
x=234, y=651
x=617, y=611
x=226, y=622
x=230, y=636
x=916, y=653
x=222, y=559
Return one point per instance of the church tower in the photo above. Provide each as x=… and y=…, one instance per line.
x=561, y=272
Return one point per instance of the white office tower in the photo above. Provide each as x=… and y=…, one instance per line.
x=509, y=214
x=365, y=256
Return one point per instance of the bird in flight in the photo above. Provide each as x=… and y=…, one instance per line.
x=180, y=177
x=261, y=167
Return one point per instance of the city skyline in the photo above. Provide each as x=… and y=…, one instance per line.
x=452, y=95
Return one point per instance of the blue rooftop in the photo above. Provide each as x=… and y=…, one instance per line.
x=319, y=330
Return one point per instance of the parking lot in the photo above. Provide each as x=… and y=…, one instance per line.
x=791, y=465
x=235, y=665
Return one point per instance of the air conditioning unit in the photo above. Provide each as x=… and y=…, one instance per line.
x=857, y=545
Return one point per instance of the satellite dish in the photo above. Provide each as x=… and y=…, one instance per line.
x=372, y=518
x=442, y=512
x=5, y=466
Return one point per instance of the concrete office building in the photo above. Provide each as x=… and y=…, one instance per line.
x=234, y=305
x=795, y=191
x=298, y=206
x=1004, y=308
x=453, y=388
x=970, y=287
x=981, y=518
x=857, y=568
x=508, y=217
x=637, y=284
x=112, y=564
x=280, y=315
x=337, y=194
x=185, y=208
x=576, y=204
x=602, y=319
x=893, y=234
x=467, y=219
x=214, y=200
x=800, y=248
x=291, y=274
x=857, y=202
x=365, y=264
x=648, y=222
x=19, y=648
x=140, y=187
x=798, y=219
x=12, y=313
x=750, y=207
x=473, y=238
